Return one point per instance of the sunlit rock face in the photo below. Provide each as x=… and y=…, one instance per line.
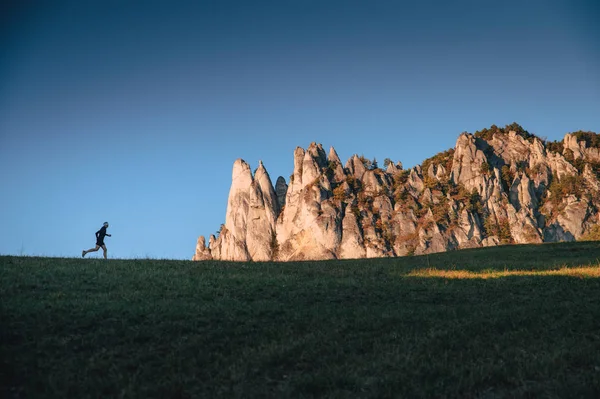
x=202, y=252
x=491, y=189
x=252, y=210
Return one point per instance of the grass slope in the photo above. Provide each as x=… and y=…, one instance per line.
x=374, y=328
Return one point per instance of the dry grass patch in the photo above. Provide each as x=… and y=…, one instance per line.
x=592, y=271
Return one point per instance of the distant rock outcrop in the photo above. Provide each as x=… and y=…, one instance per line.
x=496, y=186
x=202, y=252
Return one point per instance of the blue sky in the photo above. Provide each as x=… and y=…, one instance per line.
x=133, y=112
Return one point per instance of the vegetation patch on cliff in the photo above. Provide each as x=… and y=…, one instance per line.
x=488, y=134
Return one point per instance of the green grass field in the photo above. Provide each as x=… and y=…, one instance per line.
x=514, y=321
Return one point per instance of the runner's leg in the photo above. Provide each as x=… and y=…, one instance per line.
x=91, y=250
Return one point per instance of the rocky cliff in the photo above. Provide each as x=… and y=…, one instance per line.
x=497, y=186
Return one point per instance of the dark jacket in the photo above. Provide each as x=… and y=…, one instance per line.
x=100, y=234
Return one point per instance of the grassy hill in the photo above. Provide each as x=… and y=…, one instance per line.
x=510, y=321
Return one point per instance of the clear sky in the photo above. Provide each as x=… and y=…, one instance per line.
x=133, y=112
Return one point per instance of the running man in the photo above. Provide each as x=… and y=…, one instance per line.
x=99, y=241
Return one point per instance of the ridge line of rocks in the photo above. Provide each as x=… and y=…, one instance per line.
x=506, y=189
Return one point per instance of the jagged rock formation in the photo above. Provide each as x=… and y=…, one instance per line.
x=496, y=186
x=202, y=252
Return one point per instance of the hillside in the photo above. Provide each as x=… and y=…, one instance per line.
x=370, y=328
x=496, y=186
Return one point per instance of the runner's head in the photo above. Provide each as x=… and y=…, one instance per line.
x=105, y=224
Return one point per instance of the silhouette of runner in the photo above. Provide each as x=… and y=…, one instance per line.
x=99, y=241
